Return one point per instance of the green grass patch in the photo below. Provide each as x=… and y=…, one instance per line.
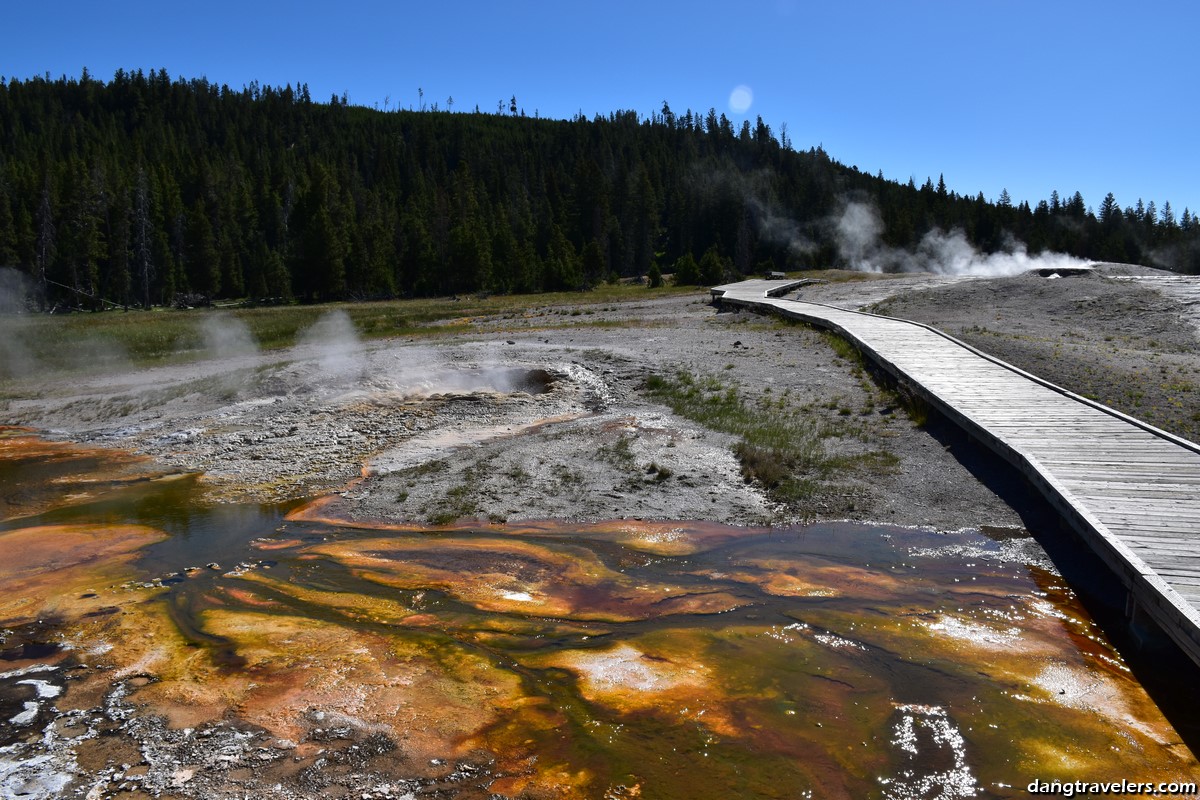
x=91, y=340
x=916, y=407
x=780, y=444
x=620, y=453
x=658, y=473
x=458, y=502
x=779, y=449
x=844, y=348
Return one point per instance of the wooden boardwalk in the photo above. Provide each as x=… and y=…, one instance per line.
x=1131, y=490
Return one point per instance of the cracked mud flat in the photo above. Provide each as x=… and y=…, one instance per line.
x=347, y=648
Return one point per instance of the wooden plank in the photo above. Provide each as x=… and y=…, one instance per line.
x=1191, y=535
x=1105, y=457
x=1168, y=566
x=1132, y=474
x=1163, y=484
x=1188, y=542
x=1131, y=534
x=1182, y=580
x=1144, y=464
x=1153, y=496
x=1179, y=570
x=1119, y=528
x=1154, y=553
x=1161, y=557
x=1058, y=434
x=1156, y=515
x=1157, y=559
x=1158, y=554
x=1113, y=432
x=1143, y=507
x=1173, y=565
x=1132, y=518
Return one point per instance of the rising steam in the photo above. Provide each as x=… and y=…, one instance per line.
x=15, y=288
x=338, y=350
x=23, y=353
x=15, y=357
x=771, y=220
x=857, y=231
x=226, y=336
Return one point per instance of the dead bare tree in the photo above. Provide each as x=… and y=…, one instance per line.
x=45, y=243
x=142, y=231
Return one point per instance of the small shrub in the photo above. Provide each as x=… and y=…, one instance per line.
x=659, y=473
x=765, y=465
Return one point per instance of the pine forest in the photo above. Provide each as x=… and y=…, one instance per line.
x=147, y=190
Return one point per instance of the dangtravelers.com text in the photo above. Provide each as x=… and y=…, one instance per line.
x=1073, y=788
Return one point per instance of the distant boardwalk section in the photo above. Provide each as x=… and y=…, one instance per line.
x=758, y=288
x=1132, y=491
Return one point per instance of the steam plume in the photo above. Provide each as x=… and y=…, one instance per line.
x=339, y=351
x=21, y=353
x=225, y=336
x=769, y=219
x=858, y=228
x=426, y=371
x=15, y=358
x=14, y=291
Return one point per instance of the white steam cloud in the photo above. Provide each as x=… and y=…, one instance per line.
x=425, y=371
x=14, y=291
x=226, y=336
x=770, y=220
x=15, y=357
x=858, y=229
x=777, y=228
x=22, y=353
x=339, y=352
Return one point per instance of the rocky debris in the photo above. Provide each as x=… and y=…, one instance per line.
x=24, y=696
x=113, y=749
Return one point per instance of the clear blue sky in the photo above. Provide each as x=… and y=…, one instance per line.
x=1026, y=95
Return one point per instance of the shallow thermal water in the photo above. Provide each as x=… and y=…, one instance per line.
x=620, y=659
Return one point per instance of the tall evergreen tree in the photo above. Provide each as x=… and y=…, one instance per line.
x=201, y=257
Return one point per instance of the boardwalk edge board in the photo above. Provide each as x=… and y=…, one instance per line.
x=1150, y=593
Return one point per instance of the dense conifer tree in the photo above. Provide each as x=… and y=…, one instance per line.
x=147, y=190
